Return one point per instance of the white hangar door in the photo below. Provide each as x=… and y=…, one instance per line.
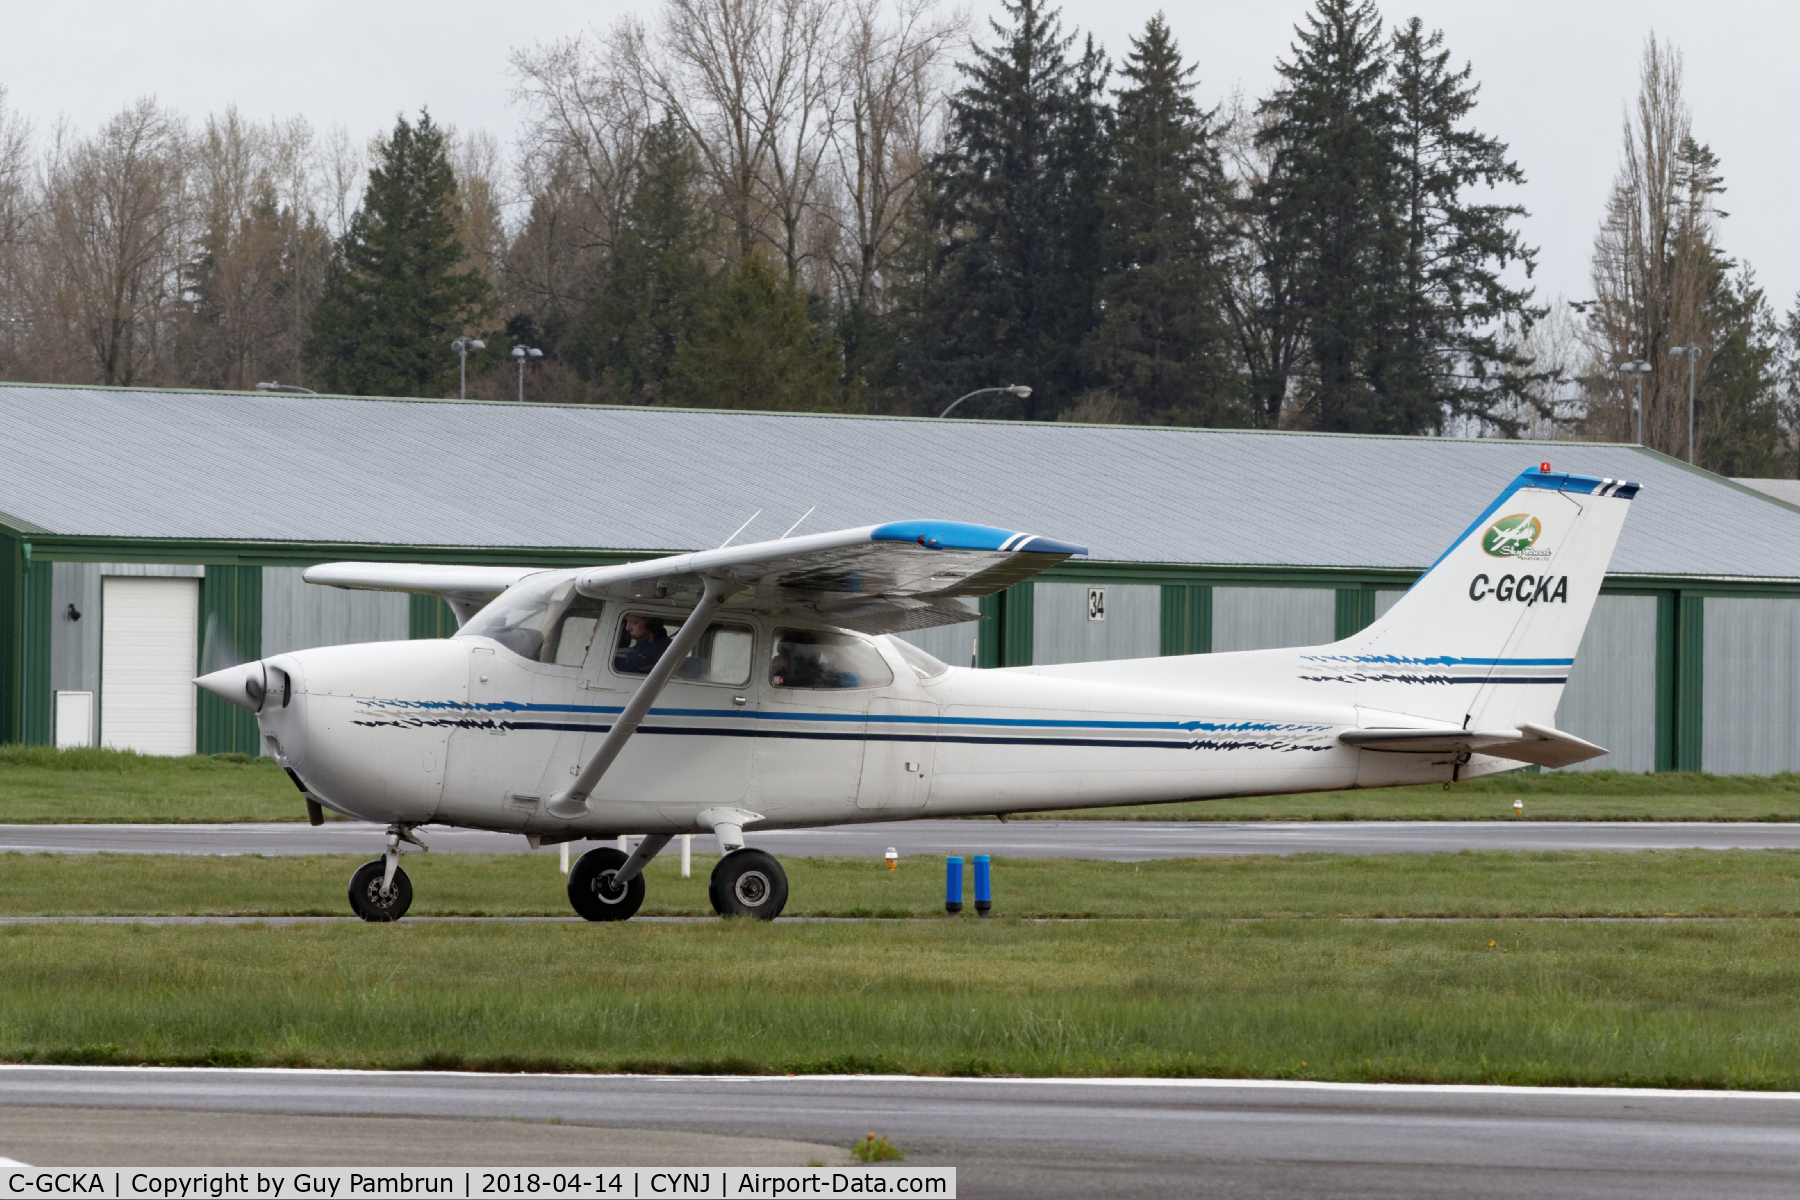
x=147, y=664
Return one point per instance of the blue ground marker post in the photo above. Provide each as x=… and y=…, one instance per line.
x=953, y=884
x=984, y=886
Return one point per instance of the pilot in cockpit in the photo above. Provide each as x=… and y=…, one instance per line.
x=641, y=644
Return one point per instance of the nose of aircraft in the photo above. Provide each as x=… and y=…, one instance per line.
x=244, y=685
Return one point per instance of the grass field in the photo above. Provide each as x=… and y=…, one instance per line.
x=1252, y=972
x=1677, y=1005
x=42, y=785
x=1699, y=883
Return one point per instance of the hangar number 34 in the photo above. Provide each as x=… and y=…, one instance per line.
x=755, y=687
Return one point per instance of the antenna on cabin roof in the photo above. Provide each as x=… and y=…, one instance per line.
x=809, y=512
x=740, y=529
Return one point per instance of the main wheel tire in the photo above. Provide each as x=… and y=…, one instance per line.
x=594, y=895
x=366, y=899
x=748, y=883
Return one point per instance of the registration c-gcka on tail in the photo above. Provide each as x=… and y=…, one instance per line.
x=755, y=687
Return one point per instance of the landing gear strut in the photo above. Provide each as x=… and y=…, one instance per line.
x=748, y=883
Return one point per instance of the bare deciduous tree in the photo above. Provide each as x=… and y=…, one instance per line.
x=16, y=201
x=108, y=272
x=1655, y=260
x=892, y=78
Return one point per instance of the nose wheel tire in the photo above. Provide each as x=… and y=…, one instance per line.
x=593, y=893
x=748, y=883
x=369, y=902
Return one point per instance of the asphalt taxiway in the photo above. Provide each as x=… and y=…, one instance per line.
x=1007, y=1138
x=1125, y=841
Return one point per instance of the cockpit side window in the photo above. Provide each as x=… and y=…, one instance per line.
x=722, y=655
x=817, y=658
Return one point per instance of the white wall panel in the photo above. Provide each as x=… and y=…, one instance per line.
x=1262, y=618
x=948, y=643
x=1750, y=712
x=1610, y=698
x=75, y=642
x=148, y=659
x=298, y=615
x=1062, y=633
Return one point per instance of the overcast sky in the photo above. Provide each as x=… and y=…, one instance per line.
x=1555, y=77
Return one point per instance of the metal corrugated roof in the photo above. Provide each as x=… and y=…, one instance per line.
x=209, y=465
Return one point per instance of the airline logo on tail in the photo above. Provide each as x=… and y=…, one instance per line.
x=1514, y=537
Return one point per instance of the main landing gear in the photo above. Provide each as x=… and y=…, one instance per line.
x=608, y=885
x=748, y=883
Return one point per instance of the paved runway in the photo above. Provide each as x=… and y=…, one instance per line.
x=1045, y=1138
x=1125, y=841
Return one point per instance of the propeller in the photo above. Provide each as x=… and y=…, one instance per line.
x=225, y=673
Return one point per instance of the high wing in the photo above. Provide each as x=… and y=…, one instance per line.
x=1528, y=743
x=878, y=579
x=465, y=589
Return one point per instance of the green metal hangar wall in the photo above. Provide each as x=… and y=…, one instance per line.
x=133, y=521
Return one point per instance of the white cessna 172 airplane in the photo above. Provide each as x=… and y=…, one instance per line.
x=753, y=686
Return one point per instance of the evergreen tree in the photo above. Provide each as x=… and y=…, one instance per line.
x=1443, y=353
x=753, y=345
x=654, y=280
x=1161, y=342
x=1008, y=293
x=1331, y=200
x=1738, y=413
x=399, y=286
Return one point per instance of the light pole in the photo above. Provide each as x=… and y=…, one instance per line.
x=1639, y=368
x=1692, y=354
x=462, y=346
x=521, y=353
x=1017, y=389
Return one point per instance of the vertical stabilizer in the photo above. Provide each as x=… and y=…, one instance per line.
x=1486, y=637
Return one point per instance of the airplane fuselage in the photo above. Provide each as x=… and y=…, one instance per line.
x=466, y=732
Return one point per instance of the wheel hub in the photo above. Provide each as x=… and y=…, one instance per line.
x=752, y=888
x=606, y=890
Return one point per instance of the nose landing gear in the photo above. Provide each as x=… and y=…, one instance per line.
x=371, y=900
x=380, y=890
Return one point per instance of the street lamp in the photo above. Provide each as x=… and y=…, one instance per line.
x=1639, y=368
x=285, y=387
x=1692, y=354
x=521, y=353
x=1017, y=389
x=462, y=346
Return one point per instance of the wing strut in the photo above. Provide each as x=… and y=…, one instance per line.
x=574, y=802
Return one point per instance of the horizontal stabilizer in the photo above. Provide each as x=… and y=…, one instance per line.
x=1528, y=743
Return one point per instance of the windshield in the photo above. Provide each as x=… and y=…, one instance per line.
x=516, y=617
x=926, y=666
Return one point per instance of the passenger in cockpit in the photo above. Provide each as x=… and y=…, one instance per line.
x=648, y=640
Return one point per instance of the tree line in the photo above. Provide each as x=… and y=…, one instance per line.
x=794, y=204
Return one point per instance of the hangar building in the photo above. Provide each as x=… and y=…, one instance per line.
x=140, y=527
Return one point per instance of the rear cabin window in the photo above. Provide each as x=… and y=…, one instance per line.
x=722, y=655
x=815, y=658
